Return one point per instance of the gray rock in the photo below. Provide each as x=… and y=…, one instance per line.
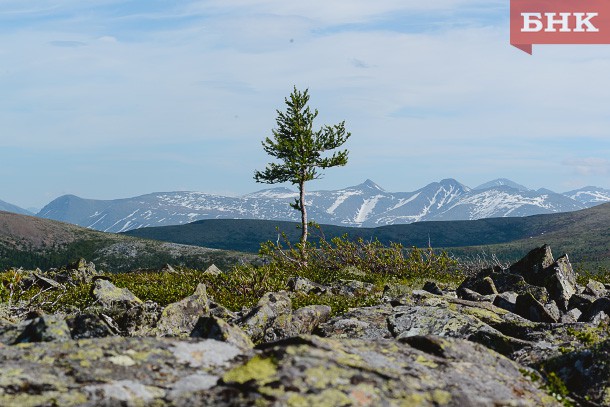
x=595, y=289
x=581, y=301
x=351, y=287
x=306, y=319
x=365, y=323
x=213, y=270
x=46, y=328
x=571, y=316
x=420, y=371
x=471, y=295
x=270, y=319
x=305, y=286
x=561, y=282
x=108, y=295
x=507, y=301
x=179, y=318
x=220, y=330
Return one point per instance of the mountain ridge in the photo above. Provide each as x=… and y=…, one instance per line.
x=363, y=205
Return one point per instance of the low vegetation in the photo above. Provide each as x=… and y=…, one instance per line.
x=242, y=286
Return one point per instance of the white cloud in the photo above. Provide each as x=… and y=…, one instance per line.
x=589, y=165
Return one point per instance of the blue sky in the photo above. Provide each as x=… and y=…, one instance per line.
x=107, y=99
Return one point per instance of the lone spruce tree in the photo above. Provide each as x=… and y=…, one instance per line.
x=299, y=149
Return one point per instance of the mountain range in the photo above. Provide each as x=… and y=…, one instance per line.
x=363, y=205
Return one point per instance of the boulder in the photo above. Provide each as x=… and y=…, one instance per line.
x=528, y=307
x=305, y=286
x=560, y=282
x=46, y=328
x=598, y=311
x=595, y=289
x=507, y=301
x=220, y=330
x=351, y=288
x=108, y=295
x=581, y=301
x=84, y=326
x=418, y=371
x=471, y=295
x=213, y=271
x=270, y=319
x=306, y=319
x=432, y=287
x=532, y=266
x=364, y=323
x=179, y=318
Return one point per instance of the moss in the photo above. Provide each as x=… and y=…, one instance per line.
x=261, y=370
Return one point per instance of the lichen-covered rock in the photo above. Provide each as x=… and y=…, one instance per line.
x=595, y=289
x=561, y=282
x=84, y=326
x=506, y=300
x=306, y=286
x=306, y=319
x=40, y=328
x=351, y=287
x=108, y=295
x=270, y=319
x=179, y=318
x=365, y=323
x=584, y=372
x=471, y=295
x=425, y=371
x=220, y=330
x=111, y=371
x=140, y=319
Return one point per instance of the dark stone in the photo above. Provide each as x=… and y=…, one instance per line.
x=216, y=328
x=581, y=301
x=507, y=301
x=433, y=288
x=599, y=310
x=529, y=308
x=89, y=326
x=470, y=295
x=531, y=266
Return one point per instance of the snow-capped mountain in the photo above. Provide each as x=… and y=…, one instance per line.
x=590, y=196
x=366, y=204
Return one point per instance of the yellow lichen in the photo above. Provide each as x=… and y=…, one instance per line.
x=262, y=370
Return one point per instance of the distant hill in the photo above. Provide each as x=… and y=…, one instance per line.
x=363, y=205
x=584, y=234
x=26, y=241
x=5, y=206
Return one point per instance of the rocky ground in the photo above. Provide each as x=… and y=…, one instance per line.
x=527, y=335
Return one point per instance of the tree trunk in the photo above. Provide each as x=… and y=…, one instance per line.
x=303, y=217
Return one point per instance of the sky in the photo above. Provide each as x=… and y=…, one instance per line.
x=108, y=99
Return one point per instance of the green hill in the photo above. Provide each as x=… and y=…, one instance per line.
x=30, y=242
x=584, y=234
